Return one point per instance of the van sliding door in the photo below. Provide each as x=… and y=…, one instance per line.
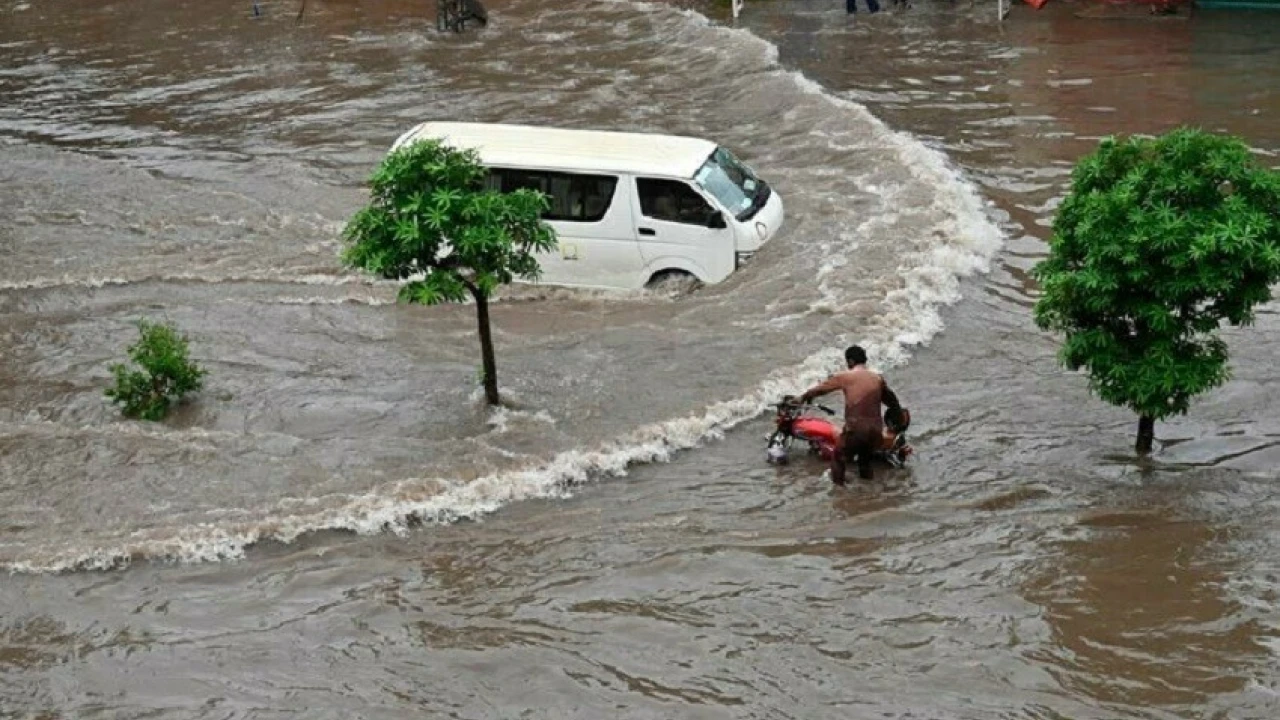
x=591, y=214
x=679, y=229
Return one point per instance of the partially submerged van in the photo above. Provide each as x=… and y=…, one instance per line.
x=629, y=209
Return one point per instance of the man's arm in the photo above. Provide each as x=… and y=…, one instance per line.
x=830, y=385
x=887, y=396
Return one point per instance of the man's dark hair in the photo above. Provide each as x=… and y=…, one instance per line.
x=855, y=355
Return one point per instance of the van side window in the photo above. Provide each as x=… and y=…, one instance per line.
x=673, y=201
x=574, y=197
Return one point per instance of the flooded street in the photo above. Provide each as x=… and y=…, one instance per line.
x=336, y=528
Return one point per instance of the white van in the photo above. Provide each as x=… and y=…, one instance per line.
x=629, y=209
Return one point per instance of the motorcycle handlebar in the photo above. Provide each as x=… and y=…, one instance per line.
x=793, y=403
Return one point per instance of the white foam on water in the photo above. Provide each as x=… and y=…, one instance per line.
x=501, y=418
x=930, y=280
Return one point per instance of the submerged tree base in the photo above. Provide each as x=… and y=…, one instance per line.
x=1146, y=434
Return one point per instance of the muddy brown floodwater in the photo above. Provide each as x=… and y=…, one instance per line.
x=336, y=528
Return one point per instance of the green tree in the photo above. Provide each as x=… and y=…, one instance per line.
x=165, y=373
x=432, y=225
x=1157, y=243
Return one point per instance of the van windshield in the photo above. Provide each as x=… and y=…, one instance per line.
x=732, y=183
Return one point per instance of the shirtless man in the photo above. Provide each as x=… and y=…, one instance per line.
x=864, y=391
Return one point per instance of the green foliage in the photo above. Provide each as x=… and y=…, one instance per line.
x=165, y=375
x=1157, y=242
x=431, y=222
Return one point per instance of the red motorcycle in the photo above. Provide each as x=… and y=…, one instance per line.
x=793, y=423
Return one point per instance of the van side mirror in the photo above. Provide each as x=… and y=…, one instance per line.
x=715, y=220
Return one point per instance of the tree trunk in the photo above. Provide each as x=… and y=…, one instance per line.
x=486, y=347
x=1146, y=434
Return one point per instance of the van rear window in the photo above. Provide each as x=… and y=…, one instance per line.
x=574, y=197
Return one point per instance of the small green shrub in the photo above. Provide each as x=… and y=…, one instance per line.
x=166, y=373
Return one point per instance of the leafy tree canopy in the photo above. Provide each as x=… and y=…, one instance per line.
x=1158, y=241
x=430, y=221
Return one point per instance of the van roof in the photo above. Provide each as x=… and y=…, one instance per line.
x=559, y=148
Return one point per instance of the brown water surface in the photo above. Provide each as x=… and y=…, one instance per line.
x=179, y=160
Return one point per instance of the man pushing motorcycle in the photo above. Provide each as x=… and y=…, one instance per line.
x=864, y=391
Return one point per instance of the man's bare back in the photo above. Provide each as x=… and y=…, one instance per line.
x=864, y=392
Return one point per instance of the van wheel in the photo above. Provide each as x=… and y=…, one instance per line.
x=673, y=282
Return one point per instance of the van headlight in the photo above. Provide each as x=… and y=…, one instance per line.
x=762, y=230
